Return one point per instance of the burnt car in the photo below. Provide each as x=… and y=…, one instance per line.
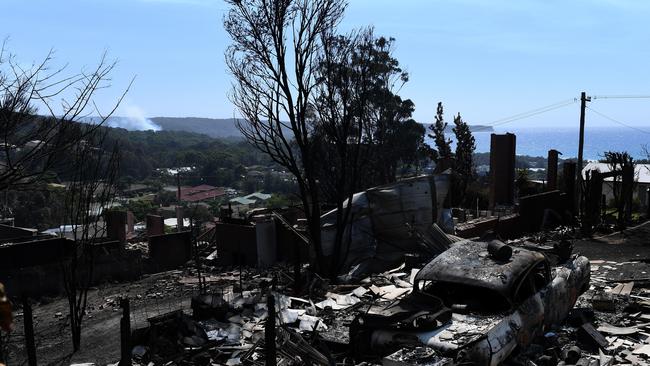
x=476, y=306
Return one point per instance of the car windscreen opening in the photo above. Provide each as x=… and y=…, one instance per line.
x=477, y=299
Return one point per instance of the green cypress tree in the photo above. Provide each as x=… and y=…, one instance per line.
x=463, y=165
x=443, y=144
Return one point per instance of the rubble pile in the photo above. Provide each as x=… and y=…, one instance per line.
x=615, y=313
x=228, y=327
x=168, y=338
x=531, y=301
x=609, y=324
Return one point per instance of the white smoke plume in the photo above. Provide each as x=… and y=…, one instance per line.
x=134, y=119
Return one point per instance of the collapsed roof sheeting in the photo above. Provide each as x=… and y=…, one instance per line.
x=387, y=222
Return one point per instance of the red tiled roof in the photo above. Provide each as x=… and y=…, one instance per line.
x=201, y=193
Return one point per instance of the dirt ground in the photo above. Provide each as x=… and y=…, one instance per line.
x=151, y=295
x=630, y=249
x=633, y=244
x=162, y=292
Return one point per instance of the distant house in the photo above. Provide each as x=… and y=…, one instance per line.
x=242, y=201
x=258, y=197
x=241, y=204
x=641, y=178
x=201, y=193
x=251, y=199
x=137, y=188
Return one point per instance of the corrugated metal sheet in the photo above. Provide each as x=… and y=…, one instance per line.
x=387, y=222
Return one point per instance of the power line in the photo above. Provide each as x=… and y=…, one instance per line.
x=563, y=103
x=622, y=97
x=619, y=122
x=531, y=113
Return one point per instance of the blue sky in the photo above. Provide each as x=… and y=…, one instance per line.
x=485, y=59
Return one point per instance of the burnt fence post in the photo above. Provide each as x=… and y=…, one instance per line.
x=269, y=330
x=28, y=325
x=125, y=333
x=628, y=191
x=297, y=276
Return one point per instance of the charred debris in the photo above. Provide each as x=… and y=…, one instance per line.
x=419, y=285
x=408, y=292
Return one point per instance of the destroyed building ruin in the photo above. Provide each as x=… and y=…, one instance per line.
x=117, y=254
x=420, y=284
x=378, y=312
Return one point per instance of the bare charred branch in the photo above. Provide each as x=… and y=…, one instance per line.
x=273, y=58
x=36, y=133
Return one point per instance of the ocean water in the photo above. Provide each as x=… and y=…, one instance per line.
x=537, y=141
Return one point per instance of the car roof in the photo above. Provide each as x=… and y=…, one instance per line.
x=468, y=263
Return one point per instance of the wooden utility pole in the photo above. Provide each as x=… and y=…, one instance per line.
x=583, y=105
x=179, y=205
x=178, y=187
